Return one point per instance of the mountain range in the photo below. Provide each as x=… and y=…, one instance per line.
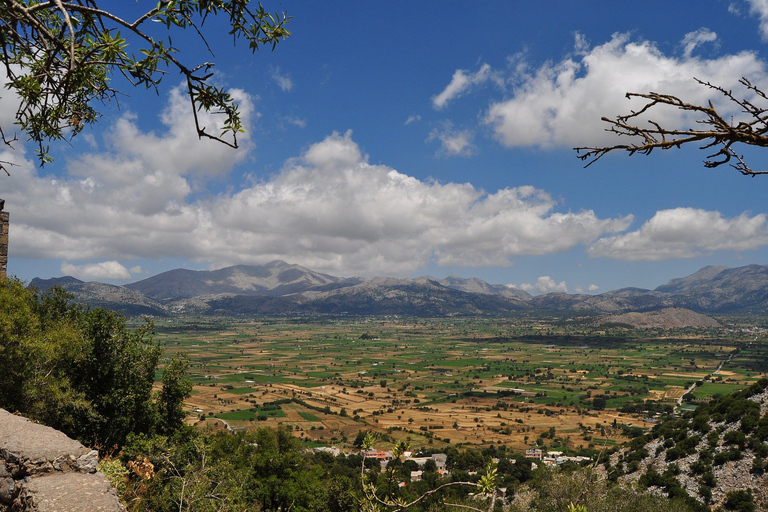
x=280, y=288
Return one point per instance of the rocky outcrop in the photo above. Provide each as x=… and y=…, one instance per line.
x=697, y=451
x=43, y=470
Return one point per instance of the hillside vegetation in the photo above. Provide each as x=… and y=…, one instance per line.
x=83, y=371
x=715, y=455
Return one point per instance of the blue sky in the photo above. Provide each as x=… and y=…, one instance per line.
x=412, y=138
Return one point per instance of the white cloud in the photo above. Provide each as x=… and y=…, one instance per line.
x=110, y=270
x=545, y=284
x=412, y=119
x=8, y=106
x=562, y=103
x=178, y=150
x=591, y=289
x=282, y=80
x=460, y=83
x=453, y=142
x=695, y=38
x=685, y=233
x=759, y=8
x=328, y=209
x=297, y=121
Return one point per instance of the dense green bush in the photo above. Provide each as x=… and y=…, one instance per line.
x=83, y=371
x=740, y=500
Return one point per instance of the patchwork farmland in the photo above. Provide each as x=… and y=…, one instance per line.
x=562, y=384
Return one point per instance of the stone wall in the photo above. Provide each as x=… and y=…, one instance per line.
x=43, y=470
x=4, y=218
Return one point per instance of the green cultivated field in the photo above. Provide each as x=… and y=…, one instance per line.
x=473, y=381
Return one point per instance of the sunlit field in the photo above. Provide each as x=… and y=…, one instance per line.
x=561, y=382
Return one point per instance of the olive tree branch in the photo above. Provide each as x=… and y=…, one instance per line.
x=59, y=56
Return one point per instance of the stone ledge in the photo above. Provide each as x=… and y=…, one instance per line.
x=42, y=470
x=68, y=492
x=30, y=449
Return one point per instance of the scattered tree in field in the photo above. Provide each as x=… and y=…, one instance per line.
x=715, y=131
x=60, y=57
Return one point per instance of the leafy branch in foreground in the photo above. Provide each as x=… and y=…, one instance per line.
x=714, y=131
x=59, y=57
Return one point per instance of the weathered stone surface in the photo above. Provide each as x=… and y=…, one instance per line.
x=43, y=470
x=6, y=485
x=29, y=448
x=88, y=462
x=68, y=492
x=4, y=218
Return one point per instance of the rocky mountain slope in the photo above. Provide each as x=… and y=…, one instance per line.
x=282, y=288
x=271, y=280
x=708, y=454
x=95, y=294
x=664, y=318
x=722, y=289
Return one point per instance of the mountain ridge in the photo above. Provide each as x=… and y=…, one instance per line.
x=280, y=288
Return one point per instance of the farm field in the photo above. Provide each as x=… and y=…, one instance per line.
x=515, y=382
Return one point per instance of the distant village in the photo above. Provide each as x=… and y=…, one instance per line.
x=548, y=458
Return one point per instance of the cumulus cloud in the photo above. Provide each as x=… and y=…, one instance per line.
x=328, y=209
x=685, y=233
x=461, y=82
x=453, y=142
x=758, y=8
x=178, y=150
x=332, y=207
x=544, y=284
x=109, y=270
x=593, y=288
x=561, y=103
x=282, y=80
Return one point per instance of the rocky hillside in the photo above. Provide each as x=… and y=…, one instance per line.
x=665, y=318
x=708, y=455
x=722, y=289
x=271, y=280
x=95, y=294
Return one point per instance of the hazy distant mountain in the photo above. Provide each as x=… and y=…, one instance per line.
x=722, y=289
x=705, y=275
x=64, y=282
x=273, y=279
x=279, y=288
x=475, y=285
x=109, y=296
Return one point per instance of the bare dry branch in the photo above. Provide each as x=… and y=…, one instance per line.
x=718, y=132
